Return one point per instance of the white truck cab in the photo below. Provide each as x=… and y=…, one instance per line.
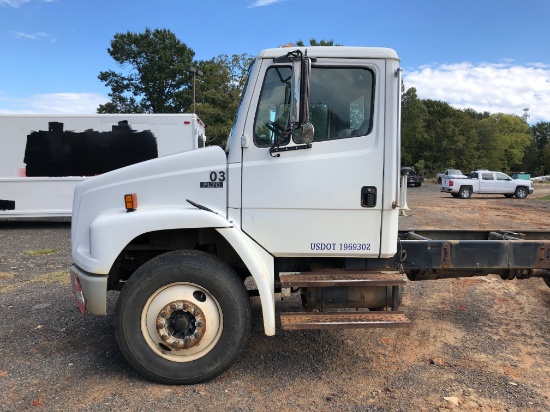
x=308, y=182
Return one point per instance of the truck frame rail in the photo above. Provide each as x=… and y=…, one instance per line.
x=440, y=254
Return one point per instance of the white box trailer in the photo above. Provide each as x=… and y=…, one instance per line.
x=43, y=157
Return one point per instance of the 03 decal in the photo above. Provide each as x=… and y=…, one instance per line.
x=216, y=180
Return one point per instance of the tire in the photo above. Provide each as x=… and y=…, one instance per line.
x=547, y=281
x=509, y=195
x=439, y=180
x=183, y=318
x=521, y=192
x=454, y=194
x=465, y=192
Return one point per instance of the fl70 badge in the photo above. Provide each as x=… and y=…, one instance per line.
x=216, y=180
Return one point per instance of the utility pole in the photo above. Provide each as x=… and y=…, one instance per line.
x=525, y=114
x=196, y=72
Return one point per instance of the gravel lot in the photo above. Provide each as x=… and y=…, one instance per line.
x=475, y=344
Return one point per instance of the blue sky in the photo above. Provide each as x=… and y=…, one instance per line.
x=491, y=55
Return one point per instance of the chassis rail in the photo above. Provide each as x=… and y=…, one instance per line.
x=440, y=254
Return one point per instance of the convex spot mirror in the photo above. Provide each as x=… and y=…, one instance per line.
x=307, y=133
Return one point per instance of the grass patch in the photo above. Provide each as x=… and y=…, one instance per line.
x=547, y=197
x=47, y=278
x=6, y=276
x=40, y=252
x=54, y=277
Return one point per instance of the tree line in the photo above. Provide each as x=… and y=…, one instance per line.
x=436, y=136
x=154, y=77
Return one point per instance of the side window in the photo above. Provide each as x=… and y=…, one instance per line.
x=487, y=176
x=274, y=106
x=341, y=103
x=502, y=176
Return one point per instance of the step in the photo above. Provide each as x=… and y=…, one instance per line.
x=339, y=278
x=334, y=320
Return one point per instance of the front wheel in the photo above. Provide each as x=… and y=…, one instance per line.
x=521, y=192
x=465, y=192
x=183, y=318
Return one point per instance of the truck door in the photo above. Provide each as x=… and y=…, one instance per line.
x=313, y=201
x=487, y=183
x=504, y=183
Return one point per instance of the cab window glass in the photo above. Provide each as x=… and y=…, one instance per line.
x=273, y=109
x=341, y=104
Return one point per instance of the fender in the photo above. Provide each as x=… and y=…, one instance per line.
x=105, y=246
x=260, y=264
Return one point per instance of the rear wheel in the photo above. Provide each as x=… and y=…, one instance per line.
x=521, y=192
x=183, y=318
x=465, y=192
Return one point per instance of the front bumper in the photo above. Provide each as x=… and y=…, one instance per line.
x=94, y=289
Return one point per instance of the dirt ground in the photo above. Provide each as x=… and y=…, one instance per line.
x=475, y=344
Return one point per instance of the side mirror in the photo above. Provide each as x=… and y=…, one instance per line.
x=299, y=100
x=299, y=96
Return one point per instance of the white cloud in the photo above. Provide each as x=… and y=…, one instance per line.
x=34, y=36
x=13, y=3
x=261, y=3
x=16, y=3
x=504, y=87
x=57, y=103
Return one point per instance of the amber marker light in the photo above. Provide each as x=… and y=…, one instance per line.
x=130, y=201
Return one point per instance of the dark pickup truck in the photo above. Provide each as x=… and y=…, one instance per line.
x=414, y=179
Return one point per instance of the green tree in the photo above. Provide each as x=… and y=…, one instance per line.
x=539, y=151
x=413, y=128
x=503, y=141
x=452, y=140
x=153, y=77
x=218, y=93
x=314, y=42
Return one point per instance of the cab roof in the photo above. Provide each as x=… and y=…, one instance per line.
x=334, y=52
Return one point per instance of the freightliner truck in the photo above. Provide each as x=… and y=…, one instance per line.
x=304, y=199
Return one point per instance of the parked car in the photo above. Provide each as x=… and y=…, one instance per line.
x=489, y=182
x=414, y=179
x=451, y=173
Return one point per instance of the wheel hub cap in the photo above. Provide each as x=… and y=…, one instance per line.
x=181, y=324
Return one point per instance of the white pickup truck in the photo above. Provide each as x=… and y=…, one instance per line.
x=450, y=174
x=486, y=181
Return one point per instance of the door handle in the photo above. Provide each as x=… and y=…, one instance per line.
x=368, y=196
